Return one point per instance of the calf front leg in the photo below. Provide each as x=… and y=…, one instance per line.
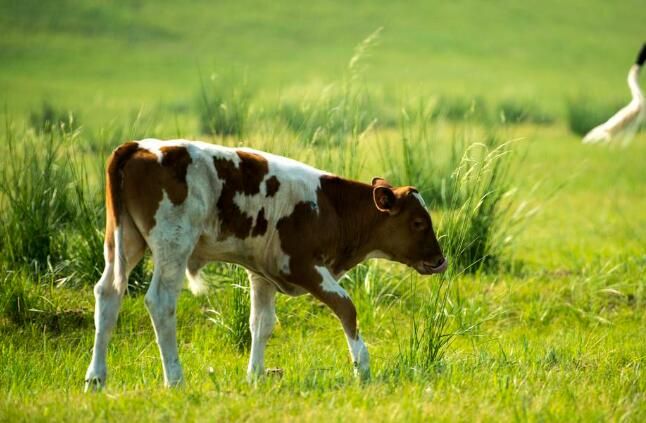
x=334, y=296
x=261, y=322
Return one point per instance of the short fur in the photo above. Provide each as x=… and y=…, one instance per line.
x=295, y=228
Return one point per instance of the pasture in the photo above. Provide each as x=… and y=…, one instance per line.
x=542, y=314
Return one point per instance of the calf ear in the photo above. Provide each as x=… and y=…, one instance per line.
x=378, y=181
x=384, y=199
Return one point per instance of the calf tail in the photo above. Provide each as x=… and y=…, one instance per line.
x=196, y=283
x=115, y=211
x=633, y=75
x=641, y=57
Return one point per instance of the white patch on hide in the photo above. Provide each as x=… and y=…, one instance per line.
x=283, y=264
x=329, y=284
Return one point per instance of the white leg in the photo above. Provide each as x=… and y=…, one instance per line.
x=334, y=296
x=360, y=357
x=161, y=302
x=106, y=311
x=108, y=293
x=261, y=322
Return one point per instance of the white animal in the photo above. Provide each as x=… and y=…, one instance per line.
x=628, y=119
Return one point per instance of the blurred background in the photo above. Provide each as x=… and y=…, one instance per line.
x=107, y=58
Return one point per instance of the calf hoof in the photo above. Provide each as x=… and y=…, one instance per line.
x=362, y=373
x=173, y=375
x=175, y=383
x=94, y=384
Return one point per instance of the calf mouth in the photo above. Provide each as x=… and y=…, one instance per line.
x=429, y=268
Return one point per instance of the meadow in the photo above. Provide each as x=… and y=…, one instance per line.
x=542, y=314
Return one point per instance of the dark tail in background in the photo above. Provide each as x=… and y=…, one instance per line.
x=641, y=58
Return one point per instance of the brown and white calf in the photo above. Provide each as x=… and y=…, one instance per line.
x=295, y=229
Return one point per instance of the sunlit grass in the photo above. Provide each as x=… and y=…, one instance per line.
x=555, y=331
x=541, y=315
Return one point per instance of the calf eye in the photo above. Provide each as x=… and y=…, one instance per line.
x=419, y=224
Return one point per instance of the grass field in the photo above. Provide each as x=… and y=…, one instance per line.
x=543, y=314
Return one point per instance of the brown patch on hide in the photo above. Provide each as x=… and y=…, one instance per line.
x=342, y=228
x=244, y=179
x=272, y=185
x=261, y=224
x=146, y=180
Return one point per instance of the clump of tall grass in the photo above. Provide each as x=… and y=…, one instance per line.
x=476, y=230
x=475, y=109
x=430, y=336
x=368, y=280
x=583, y=114
x=35, y=199
x=138, y=123
x=327, y=120
x=421, y=158
x=53, y=212
x=340, y=137
x=224, y=103
x=522, y=111
x=49, y=118
x=230, y=306
x=83, y=260
x=341, y=111
x=470, y=184
x=460, y=109
x=372, y=289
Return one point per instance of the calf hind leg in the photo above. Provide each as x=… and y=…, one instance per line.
x=106, y=310
x=161, y=302
x=108, y=296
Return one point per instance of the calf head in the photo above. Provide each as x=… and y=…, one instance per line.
x=406, y=233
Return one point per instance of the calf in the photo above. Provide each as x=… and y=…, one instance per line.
x=294, y=228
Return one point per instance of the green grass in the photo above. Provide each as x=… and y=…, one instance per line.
x=66, y=51
x=224, y=106
x=543, y=313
